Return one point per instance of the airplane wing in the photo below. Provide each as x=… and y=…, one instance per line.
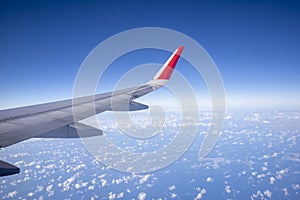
x=55, y=119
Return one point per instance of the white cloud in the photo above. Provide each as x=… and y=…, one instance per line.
x=268, y=193
x=200, y=194
x=253, y=173
x=172, y=187
x=264, y=168
x=209, y=179
x=103, y=182
x=12, y=194
x=173, y=195
x=78, y=167
x=50, y=191
x=30, y=194
x=91, y=187
x=282, y=172
x=142, y=196
x=296, y=186
x=67, y=183
x=111, y=196
x=102, y=176
x=39, y=188
x=285, y=191
x=260, y=176
x=77, y=186
x=272, y=180
x=144, y=179
x=227, y=189
x=120, y=195
x=258, y=195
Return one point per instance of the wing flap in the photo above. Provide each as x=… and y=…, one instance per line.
x=70, y=131
x=132, y=106
x=8, y=169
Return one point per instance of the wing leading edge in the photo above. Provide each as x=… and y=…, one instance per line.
x=55, y=120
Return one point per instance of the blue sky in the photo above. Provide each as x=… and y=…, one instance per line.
x=255, y=44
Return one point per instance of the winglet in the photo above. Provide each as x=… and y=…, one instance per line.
x=167, y=69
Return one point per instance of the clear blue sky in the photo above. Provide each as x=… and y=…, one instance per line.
x=255, y=44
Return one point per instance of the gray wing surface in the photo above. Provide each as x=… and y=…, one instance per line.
x=19, y=124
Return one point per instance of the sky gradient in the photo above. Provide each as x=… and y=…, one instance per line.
x=255, y=45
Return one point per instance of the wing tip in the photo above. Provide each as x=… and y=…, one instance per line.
x=167, y=69
x=179, y=50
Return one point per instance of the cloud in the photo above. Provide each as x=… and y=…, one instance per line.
x=142, y=196
x=67, y=183
x=227, y=189
x=103, y=182
x=173, y=195
x=145, y=178
x=268, y=193
x=172, y=187
x=111, y=196
x=285, y=191
x=272, y=180
x=12, y=194
x=209, y=179
x=50, y=191
x=282, y=172
x=120, y=195
x=200, y=194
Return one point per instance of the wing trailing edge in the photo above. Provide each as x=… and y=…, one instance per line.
x=71, y=131
x=131, y=106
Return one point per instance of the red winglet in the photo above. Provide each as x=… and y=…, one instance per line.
x=167, y=69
